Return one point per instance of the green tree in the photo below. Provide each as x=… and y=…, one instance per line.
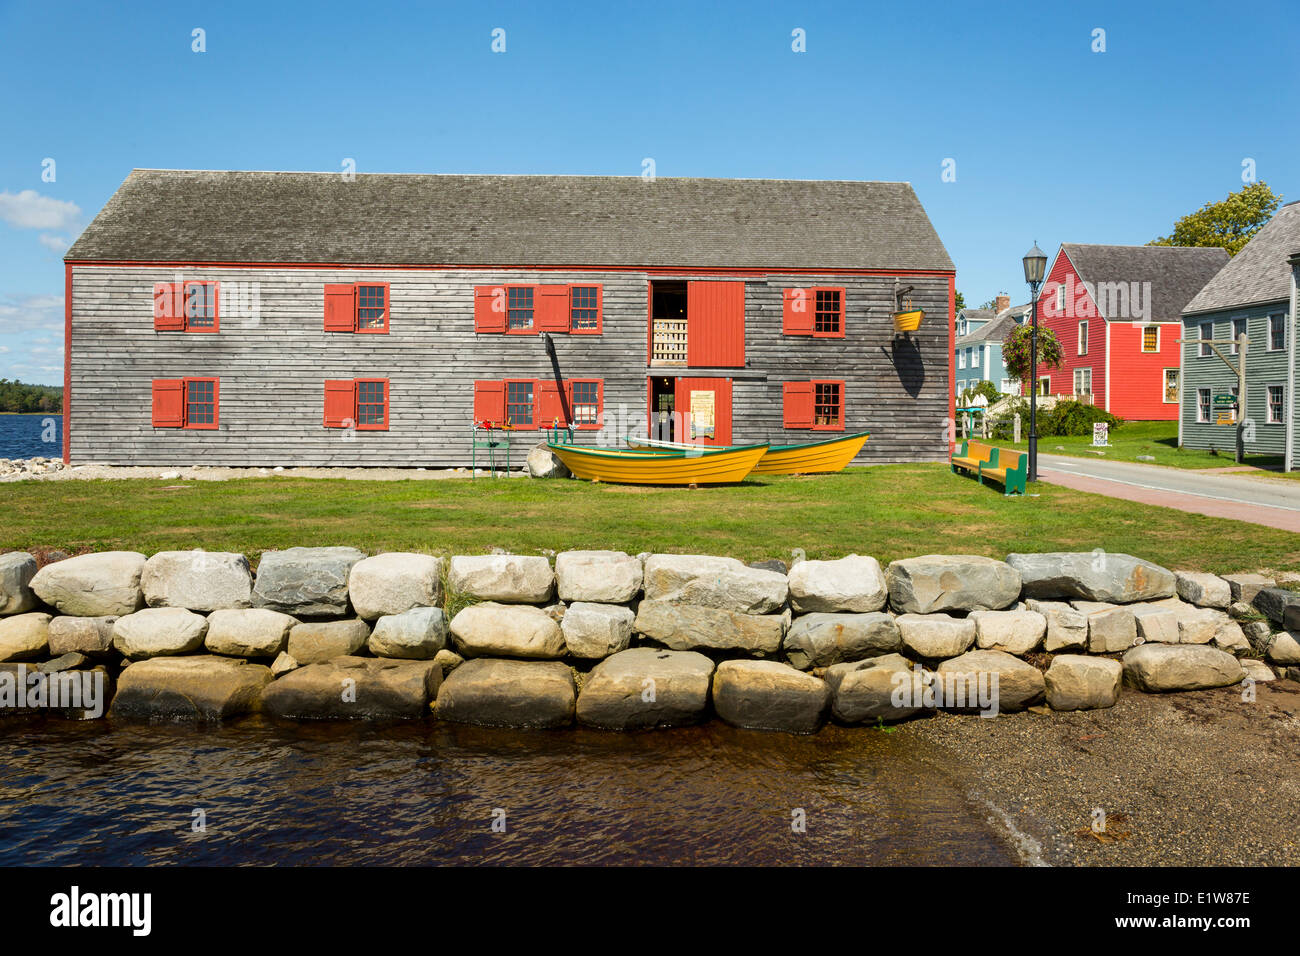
x=960, y=301
x=983, y=387
x=1016, y=349
x=1229, y=223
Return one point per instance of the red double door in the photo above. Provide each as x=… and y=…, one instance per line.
x=701, y=411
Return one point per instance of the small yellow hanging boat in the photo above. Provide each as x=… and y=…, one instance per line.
x=698, y=466
x=810, y=458
x=908, y=320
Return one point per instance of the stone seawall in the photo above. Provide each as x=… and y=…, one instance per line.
x=620, y=641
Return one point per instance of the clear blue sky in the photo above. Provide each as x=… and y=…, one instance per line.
x=1051, y=141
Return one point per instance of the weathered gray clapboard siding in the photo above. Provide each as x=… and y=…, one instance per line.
x=272, y=366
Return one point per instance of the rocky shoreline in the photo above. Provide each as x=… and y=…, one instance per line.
x=626, y=642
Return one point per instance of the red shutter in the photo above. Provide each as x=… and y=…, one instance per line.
x=798, y=311
x=552, y=308
x=798, y=405
x=549, y=407
x=715, y=324
x=489, y=311
x=340, y=403
x=168, y=315
x=490, y=402
x=168, y=402
x=340, y=308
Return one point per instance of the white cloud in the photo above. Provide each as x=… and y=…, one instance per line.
x=32, y=315
x=51, y=241
x=30, y=210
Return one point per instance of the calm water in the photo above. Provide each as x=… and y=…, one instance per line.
x=23, y=436
x=92, y=793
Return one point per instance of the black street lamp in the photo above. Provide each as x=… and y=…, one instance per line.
x=1035, y=262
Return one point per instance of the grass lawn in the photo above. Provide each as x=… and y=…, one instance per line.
x=1158, y=439
x=888, y=511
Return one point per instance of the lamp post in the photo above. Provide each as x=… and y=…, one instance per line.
x=1035, y=262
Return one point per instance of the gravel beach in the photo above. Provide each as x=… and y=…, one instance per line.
x=1195, y=779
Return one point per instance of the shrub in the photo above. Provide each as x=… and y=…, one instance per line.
x=1066, y=417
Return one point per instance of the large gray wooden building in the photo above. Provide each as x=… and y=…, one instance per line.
x=264, y=318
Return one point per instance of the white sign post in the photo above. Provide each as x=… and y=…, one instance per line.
x=1100, y=435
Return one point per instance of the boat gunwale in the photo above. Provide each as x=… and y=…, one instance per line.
x=704, y=451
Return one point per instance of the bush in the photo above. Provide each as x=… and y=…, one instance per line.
x=1066, y=417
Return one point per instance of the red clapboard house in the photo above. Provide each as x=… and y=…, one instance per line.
x=250, y=318
x=1117, y=313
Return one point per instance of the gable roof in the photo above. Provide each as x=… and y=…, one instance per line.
x=995, y=331
x=416, y=219
x=1259, y=272
x=1176, y=273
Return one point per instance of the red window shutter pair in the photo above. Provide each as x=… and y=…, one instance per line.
x=490, y=401
x=170, y=306
x=551, y=308
x=798, y=312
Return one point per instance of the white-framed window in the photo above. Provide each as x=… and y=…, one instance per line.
x=1150, y=338
x=1082, y=382
x=1045, y=385
x=1010, y=387
x=1207, y=332
x=961, y=358
x=1171, y=386
x=1083, y=338
x=1060, y=298
x=1276, y=404
x=1238, y=330
x=1203, y=405
x=1276, y=332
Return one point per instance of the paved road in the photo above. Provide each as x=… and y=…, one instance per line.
x=1266, y=501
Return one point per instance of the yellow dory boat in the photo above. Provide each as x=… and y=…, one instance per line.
x=810, y=458
x=696, y=466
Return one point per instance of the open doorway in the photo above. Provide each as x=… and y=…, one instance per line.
x=663, y=401
x=668, y=323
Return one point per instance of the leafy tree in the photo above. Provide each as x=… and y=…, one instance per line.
x=1016, y=349
x=18, y=397
x=1230, y=223
x=960, y=301
x=985, y=388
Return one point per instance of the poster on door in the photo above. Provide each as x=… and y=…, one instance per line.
x=702, y=414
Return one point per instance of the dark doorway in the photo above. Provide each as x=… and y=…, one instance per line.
x=663, y=400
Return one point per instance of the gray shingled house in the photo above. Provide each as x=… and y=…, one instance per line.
x=1255, y=294
x=264, y=318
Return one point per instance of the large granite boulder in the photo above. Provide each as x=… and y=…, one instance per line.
x=1016, y=632
x=1092, y=576
x=854, y=584
x=1281, y=606
x=950, y=582
x=597, y=577
x=202, y=687
x=17, y=568
x=1244, y=587
x=197, y=580
x=596, y=630
x=72, y=694
x=822, y=639
x=93, y=585
x=1156, y=624
x=314, y=642
x=1111, y=628
x=1081, y=682
x=1197, y=625
x=646, y=687
x=544, y=463
x=394, y=582
x=769, y=695
x=305, y=582
x=92, y=636
x=417, y=635
x=721, y=583
x=24, y=637
x=1067, y=628
x=159, y=632
x=883, y=689
x=1203, y=590
x=1284, y=649
x=354, y=688
x=685, y=627
x=935, y=636
x=1230, y=637
x=497, y=693
x=506, y=630
x=248, y=632
x=1165, y=667
x=504, y=578
x=1012, y=683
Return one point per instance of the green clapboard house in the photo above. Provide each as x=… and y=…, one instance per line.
x=1254, y=293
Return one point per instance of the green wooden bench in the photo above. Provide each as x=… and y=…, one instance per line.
x=1011, y=468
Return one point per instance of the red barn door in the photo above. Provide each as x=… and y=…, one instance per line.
x=705, y=408
x=715, y=324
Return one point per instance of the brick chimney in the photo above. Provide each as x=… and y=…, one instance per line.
x=1001, y=303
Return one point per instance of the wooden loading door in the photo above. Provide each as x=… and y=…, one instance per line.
x=705, y=408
